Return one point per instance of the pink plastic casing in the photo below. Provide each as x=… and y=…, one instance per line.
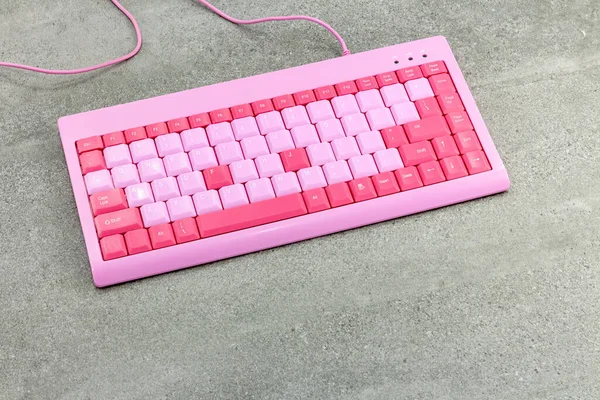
x=247, y=90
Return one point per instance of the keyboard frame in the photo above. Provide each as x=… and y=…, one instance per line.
x=247, y=90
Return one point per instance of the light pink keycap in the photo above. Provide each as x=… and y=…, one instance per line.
x=394, y=94
x=320, y=111
x=233, y=196
x=207, y=202
x=369, y=100
x=243, y=171
x=138, y=195
x=143, y=150
x=191, y=183
x=155, y=214
x=311, y=178
x=244, y=128
x=270, y=122
x=388, y=160
x=336, y=172
x=260, y=190
x=203, y=158
x=125, y=175
x=345, y=148
x=229, y=152
x=181, y=208
x=151, y=170
x=295, y=116
x=330, y=129
x=98, y=181
x=280, y=141
x=168, y=144
x=269, y=165
x=370, y=142
x=117, y=155
x=177, y=164
x=418, y=89
x=254, y=147
x=380, y=118
x=355, y=124
x=165, y=189
x=362, y=166
x=194, y=139
x=405, y=112
x=285, y=184
x=345, y=105
x=305, y=135
x=320, y=153
x=219, y=133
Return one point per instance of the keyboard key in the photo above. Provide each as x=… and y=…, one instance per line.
x=194, y=139
x=362, y=189
x=220, y=133
x=304, y=97
x=428, y=107
x=217, y=177
x=320, y=111
x=191, y=183
x=388, y=160
x=305, y=135
x=177, y=164
x=325, y=93
x=113, y=139
x=143, y=150
x=426, y=129
x=339, y=194
x=92, y=161
x=476, y=162
x=137, y=241
x=394, y=94
x=117, y=155
x=140, y=194
x=311, y=178
x=453, y=167
x=108, y=201
x=442, y=84
x=444, y=146
x=161, y=236
x=418, y=89
x=345, y=105
x=178, y=125
x=262, y=106
x=131, y=135
x=199, y=120
x=408, y=178
x=316, y=200
x=450, y=102
x=151, y=170
x=295, y=116
x=281, y=141
x=367, y=83
x=251, y=215
x=155, y=214
x=355, y=124
x=245, y=128
x=285, y=184
x=270, y=122
x=255, y=146
x=433, y=68
x=394, y=137
x=98, y=181
x=431, y=173
x=180, y=208
x=370, y=142
x=417, y=153
x=337, y=171
x=168, y=144
x=243, y=171
x=407, y=74
x=203, y=158
x=165, y=189
x=346, y=88
x=207, y=202
x=330, y=130
x=269, y=165
x=155, y=130
x=260, y=190
x=89, y=144
x=467, y=141
x=233, y=196
x=229, y=152
x=241, y=111
x=369, y=100
x=320, y=154
x=458, y=122
x=113, y=247
x=345, y=148
x=404, y=113
x=387, y=79
x=282, y=102
x=385, y=184
x=117, y=222
x=219, y=116
x=294, y=160
x=125, y=175
x=362, y=166
x=380, y=118
x=186, y=230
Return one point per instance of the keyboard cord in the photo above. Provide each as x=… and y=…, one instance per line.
x=138, y=33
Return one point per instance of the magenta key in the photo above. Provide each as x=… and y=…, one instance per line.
x=165, y=189
x=177, y=164
x=194, y=139
x=370, y=142
x=219, y=133
x=260, y=190
x=229, y=152
x=305, y=135
x=380, y=118
x=336, y=172
x=155, y=214
x=270, y=122
x=369, y=100
x=191, y=183
x=388, y=160
x=244, y=128
x=233, y=196
x=280, y=141
x=330, y=129
x=98, y=181
x=345, y=105
x=405, y=112
x=295, y=116
x=320, y=153
x=355, y=124
x=151, y=170
x=320, y=111
x=243, y=171
x=125, y=175
x=181, y=208
x=138, y=195
x=362, y=166
x=311, y=178
x=207, y=202
x=269, y=165
x=117, y=155
x=285, y=184
x=203, y=158
x=255, y=146
x=168, y=144
x=394, y=94
x=345, y=148
x=419, y=89
x=143, y=150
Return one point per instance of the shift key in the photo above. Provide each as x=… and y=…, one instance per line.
x=118, y=222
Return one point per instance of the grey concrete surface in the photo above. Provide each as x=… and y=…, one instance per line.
x=492, y=299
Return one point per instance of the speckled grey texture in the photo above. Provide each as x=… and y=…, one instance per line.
x=492, y=299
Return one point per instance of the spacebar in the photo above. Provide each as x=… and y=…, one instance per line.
x=251, y=215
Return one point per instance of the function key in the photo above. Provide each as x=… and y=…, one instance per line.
x=199, y=120
x=156, y=130
x=112, y=139
x=304, y=97
x=262, y=106
x=367, y=83
x=284, y=101
x=88, y=144
x=325, y=93
x=389, y=78
x=242, y=111
x=222, y=115
x=178, y=125
x=346, y=88
x=433, y=68
x=409, y=73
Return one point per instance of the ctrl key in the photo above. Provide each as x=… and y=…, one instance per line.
x=113, y=247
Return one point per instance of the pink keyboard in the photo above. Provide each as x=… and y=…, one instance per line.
x=219, y=171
